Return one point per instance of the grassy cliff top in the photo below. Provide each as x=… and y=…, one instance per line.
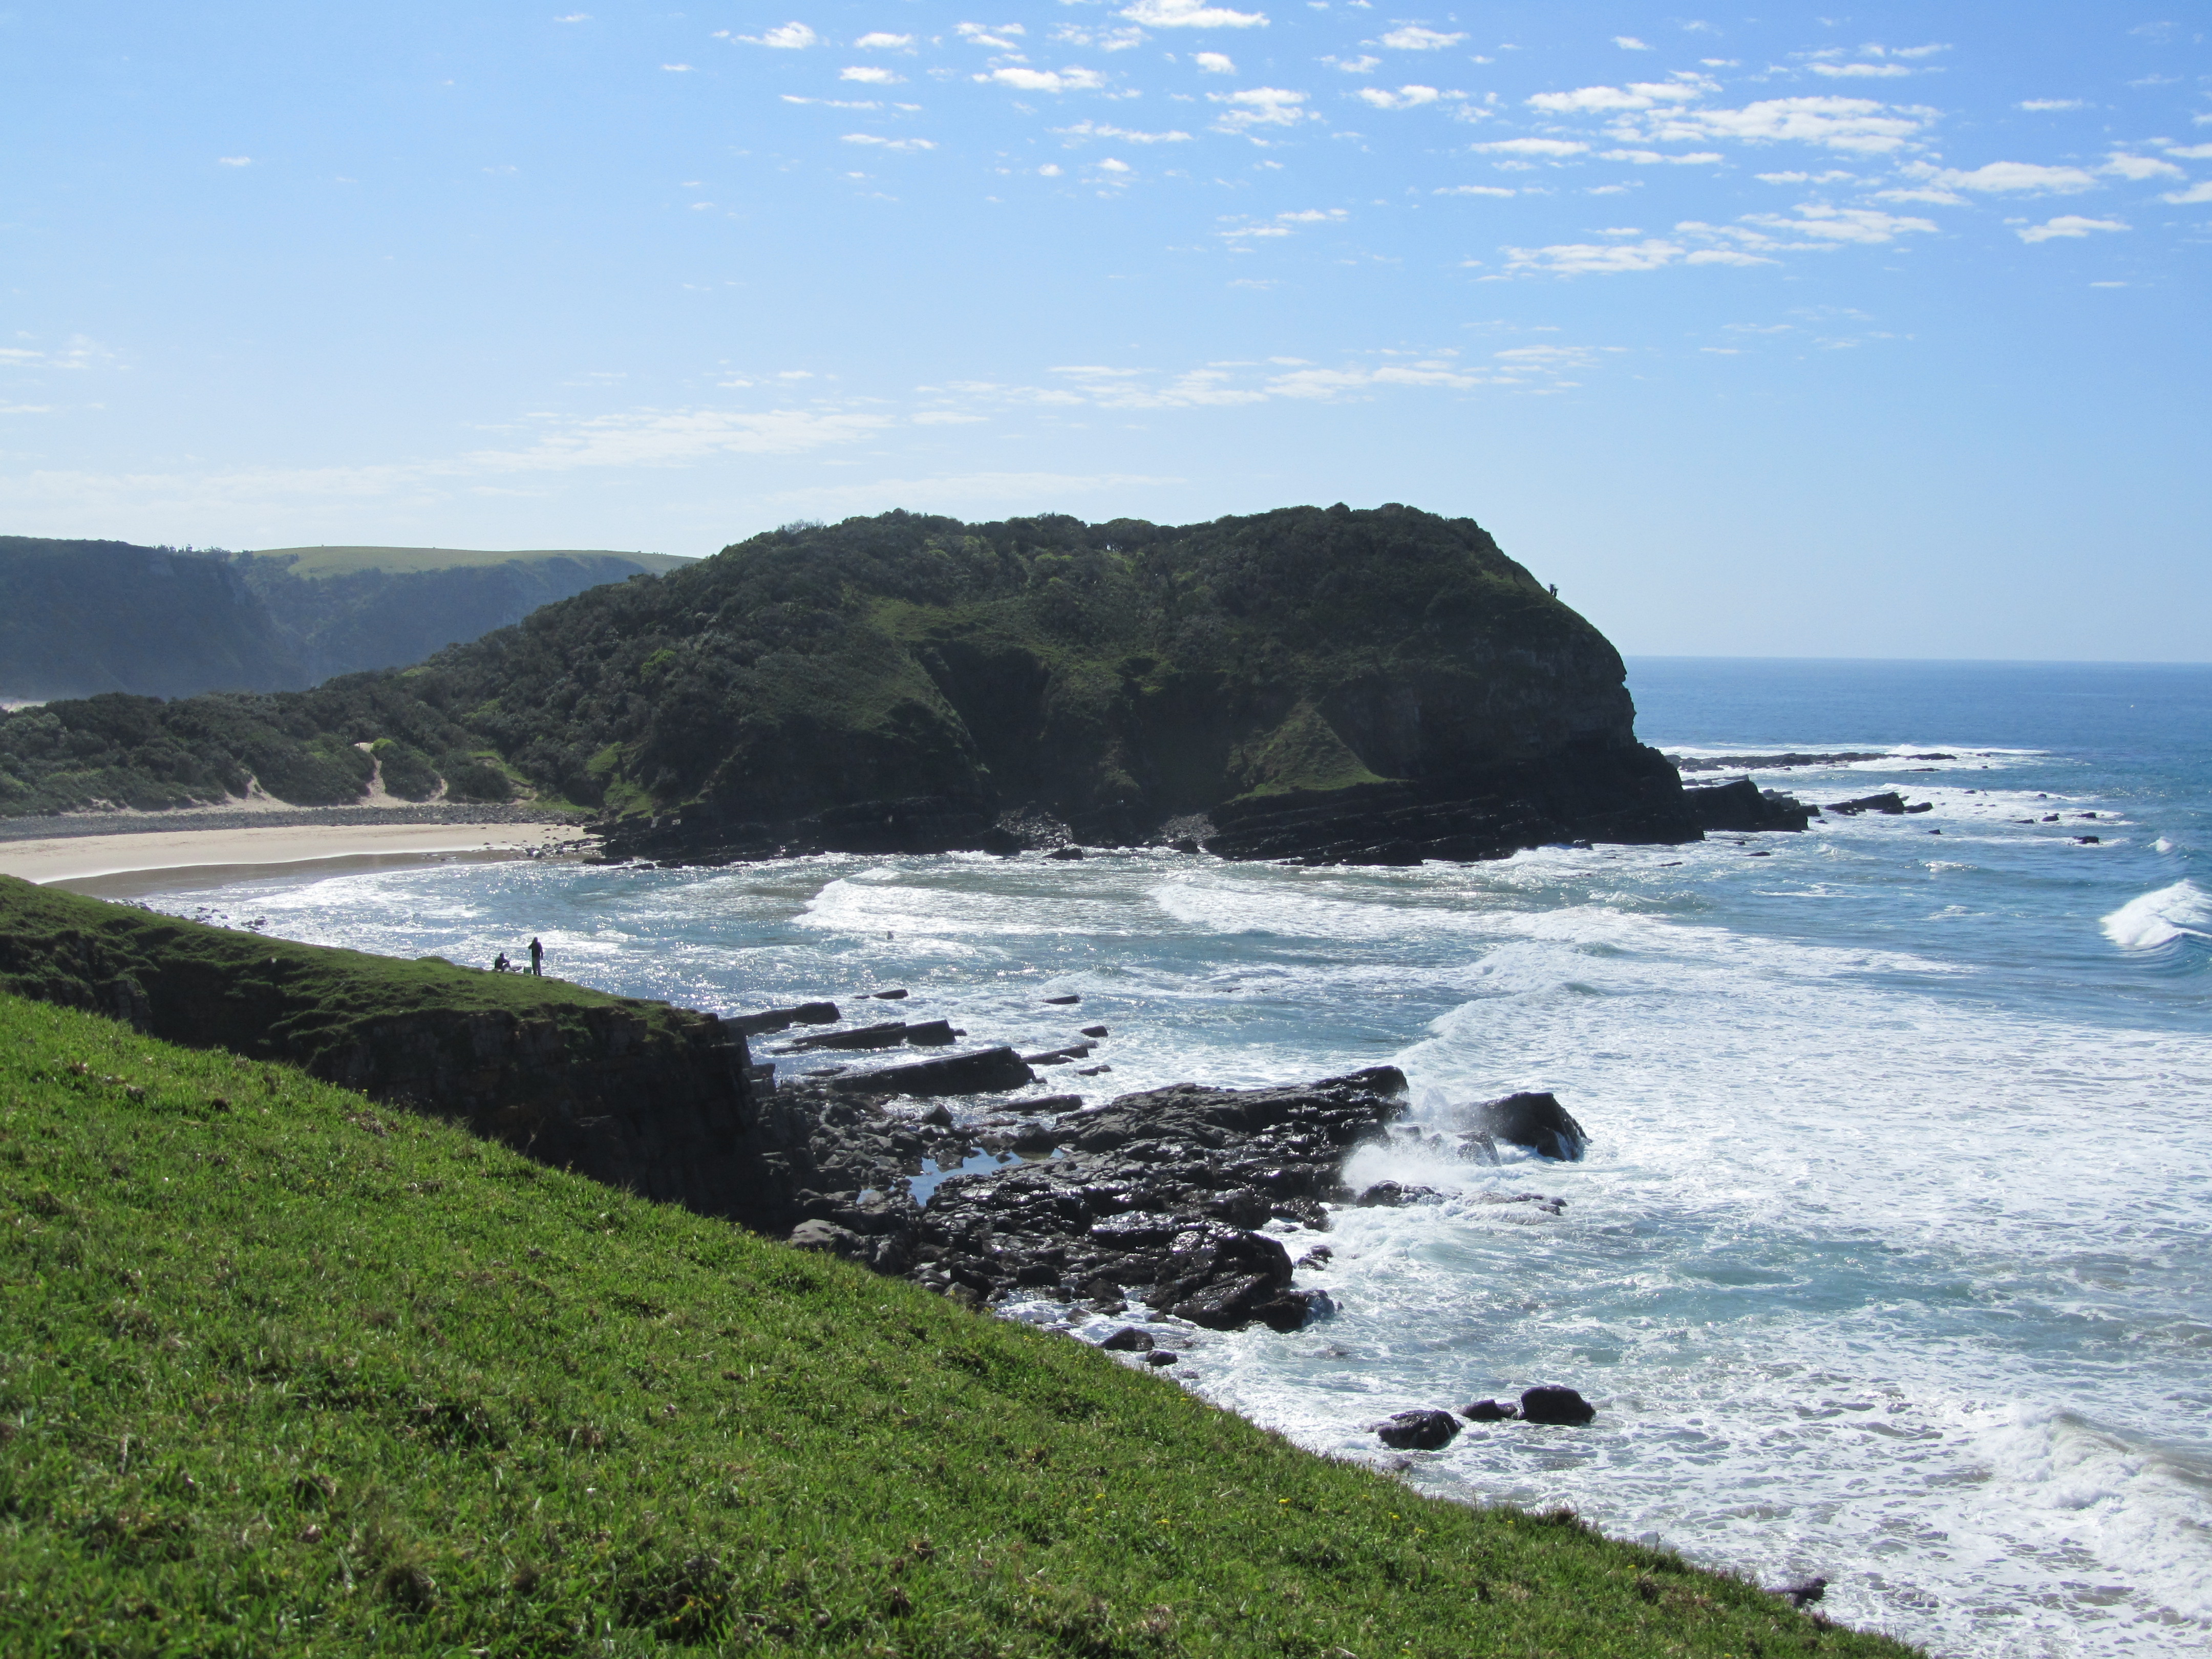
x=283, y=1374
x=319, y=561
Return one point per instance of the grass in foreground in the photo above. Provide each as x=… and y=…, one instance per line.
x=284, y=1372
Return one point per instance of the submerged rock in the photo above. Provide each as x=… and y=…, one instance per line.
x=1490, y=1410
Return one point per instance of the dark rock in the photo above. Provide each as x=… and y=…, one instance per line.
x=1161, y=1357
x=1491, y=1411
x=828, y=1237
x=1418, y=1431
x=1561, y=1406
x=1889, y=802
x=1920, y=806
x=940, y=1114
x=1033, y=1138
x=1537, y=1121
x=1184, y=844
x=1128, y=1339
x=1778, y=762
x=992, y=1071
x=1391, y=1195
x=1094, y=1071
x=1094, y=1031
x=1320, y=1257
x=888, y=996
x=1063, y=1001
x=889, y=1035
x=772, y=1020
x=1742, y=805
x=932, y=1033
x=1804, y=1595
x=2090, y=840
x=1067, y=852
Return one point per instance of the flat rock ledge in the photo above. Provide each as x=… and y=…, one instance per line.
x=1157, y=1197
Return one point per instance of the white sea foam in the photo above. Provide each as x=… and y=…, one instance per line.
x=2171, y=913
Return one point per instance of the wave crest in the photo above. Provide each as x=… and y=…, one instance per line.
x=2181, y=911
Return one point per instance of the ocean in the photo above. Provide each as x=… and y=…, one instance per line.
x=1891, y=1261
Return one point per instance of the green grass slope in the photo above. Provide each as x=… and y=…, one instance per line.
x=281, y=1373
x=325, y=561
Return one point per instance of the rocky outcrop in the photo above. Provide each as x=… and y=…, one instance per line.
x=1742, y=805
x=1418, y=1431
x=1536, y=1122
x=1158, y=1196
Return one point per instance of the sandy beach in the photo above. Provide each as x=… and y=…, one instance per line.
x=119, y=866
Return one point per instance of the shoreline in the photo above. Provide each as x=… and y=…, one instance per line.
x=151, y=859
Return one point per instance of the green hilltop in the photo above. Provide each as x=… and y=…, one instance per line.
x=318, y=562
x=282, y=1371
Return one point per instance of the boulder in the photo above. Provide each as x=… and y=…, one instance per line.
x=1128, y=1339
x=1740, y=805
x=1490, y=1410
x=1537, y=1121
x=777, y=1019
x=1562, y=1407
x=1391, y=1194
x=1889, y=802
x=828, y=1237
x=1094, y=1031
x=932, y=1033
x=1160, y=1357
x=1418, y=1431
x=889, y=1035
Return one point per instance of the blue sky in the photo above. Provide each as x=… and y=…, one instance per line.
x=1873, y=332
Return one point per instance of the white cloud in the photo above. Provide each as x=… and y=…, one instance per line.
x=872, y=76
x=574, y=17
x=1050, y=170
x=1259, y=106
x=2067, y=224
x=1831, y=177
x=1595, y=258
x=1312, y=216
x=2050, y=104
x=1030, y=80
x=879, y=41
x=1629, y=43
x=2191, y=196
x=1928, y=51
x=1644, y=158
x=792, y=37
x=1642, y=95
x=1364, y=64
x=833, y=103
x=2003, y=178
x=1103, y=40
x=1404, y=98
x=996, y=39
x=1413, y=37
x=1214, y=62
x=234, y=161
x=1191, y=15
x=947, y=417
x=2191, y=152
x=677, y=69
x=1858, y=125
x=1099, y=130
x=669, y=437
x=1553, y=148
x=2138, y=168
x=1861, y=71
x=1472, y=190
x=889, y=144
x=1833, y=224
x=1110, y=164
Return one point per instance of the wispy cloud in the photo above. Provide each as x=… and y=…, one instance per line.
x=1855, y=125
x=1404, y=98
x=873, y=140
x=2040, y=104
x=1412, y=38
x=1213, y=63
x=1192, y=15
x=1100, y=130
x=1032, y=80
x=2067, y=224
x=871, y=75
x=1642, y=95
x=1259, y=106
x=882, y=40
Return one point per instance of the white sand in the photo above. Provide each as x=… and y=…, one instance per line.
x=152, y=860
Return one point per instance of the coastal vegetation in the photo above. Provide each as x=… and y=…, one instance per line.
x=1115, y=674
x=284, y=1371
x=81, y=617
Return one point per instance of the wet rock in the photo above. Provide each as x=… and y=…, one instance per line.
x=889, y=1035
x=1067, y=852
x=1742, y=805
x=1391, y=1194
x=1889, y=802
x=1802, y=1595
x=1418, y=1431
x=1067, y=1001
x=1094, y=1031
x=1920, y=806
x=1491, y=1411
x=1161, y=1357
x=992, y=1071
x=888, y=996
x=932, y=1033
x=1558, y=1406
x=1320, y=1257
x=1128, y=1339
x=1537, y=1121
x=770, y=1020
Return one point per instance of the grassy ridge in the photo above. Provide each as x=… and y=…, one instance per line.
x=315, y=563
x=281, y=1373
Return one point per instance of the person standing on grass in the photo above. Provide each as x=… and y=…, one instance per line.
x=537, y=958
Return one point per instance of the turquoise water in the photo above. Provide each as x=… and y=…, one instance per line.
x=1890, y=1261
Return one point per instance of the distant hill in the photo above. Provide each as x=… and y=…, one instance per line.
x=356, y=608
x=81, y=617
x=905, y=680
